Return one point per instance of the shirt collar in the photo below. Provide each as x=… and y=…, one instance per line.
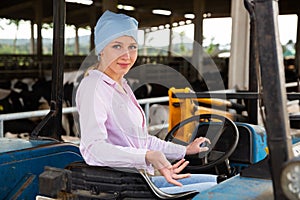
x=110, y=81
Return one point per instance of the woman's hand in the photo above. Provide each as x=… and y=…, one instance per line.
x=194, y=147
x=170, y=172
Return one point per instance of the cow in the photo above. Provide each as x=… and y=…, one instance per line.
x=25, y=95
x=12, y=102
x=158, y=120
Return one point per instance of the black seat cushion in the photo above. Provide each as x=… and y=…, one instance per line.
x=116, y=183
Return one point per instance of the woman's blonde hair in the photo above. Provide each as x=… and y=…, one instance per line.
x=93, y=67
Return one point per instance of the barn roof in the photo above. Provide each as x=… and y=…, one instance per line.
x=82, y=15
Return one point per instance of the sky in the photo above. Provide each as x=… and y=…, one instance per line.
x=217, y=29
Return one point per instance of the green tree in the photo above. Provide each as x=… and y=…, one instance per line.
x=182, y=46
x=212, y=47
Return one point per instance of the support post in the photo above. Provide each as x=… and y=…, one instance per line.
x=39, y=43
x=254, y=72
x=58, y=62
x=297, y=55
x=76, y=41
x=197, y=57
x=273, y=83
x=32, y=40
x=239, y=53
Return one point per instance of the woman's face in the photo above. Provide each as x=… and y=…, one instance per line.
x=118, y=57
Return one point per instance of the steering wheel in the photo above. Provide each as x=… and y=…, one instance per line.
x=220, y=130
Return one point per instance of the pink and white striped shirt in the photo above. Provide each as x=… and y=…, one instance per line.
x=113, y=127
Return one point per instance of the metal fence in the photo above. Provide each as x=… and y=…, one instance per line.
x=41, y=113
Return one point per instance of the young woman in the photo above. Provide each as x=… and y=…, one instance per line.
x=112, y=123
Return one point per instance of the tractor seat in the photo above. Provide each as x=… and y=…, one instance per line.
x=93, y=182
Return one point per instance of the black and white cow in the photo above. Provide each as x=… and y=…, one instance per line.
x=25, y=95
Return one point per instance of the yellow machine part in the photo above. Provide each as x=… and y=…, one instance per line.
x=181, y=109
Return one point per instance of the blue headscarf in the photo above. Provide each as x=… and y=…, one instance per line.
x=111, y=26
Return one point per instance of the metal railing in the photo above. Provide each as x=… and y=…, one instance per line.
x=41, y=113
